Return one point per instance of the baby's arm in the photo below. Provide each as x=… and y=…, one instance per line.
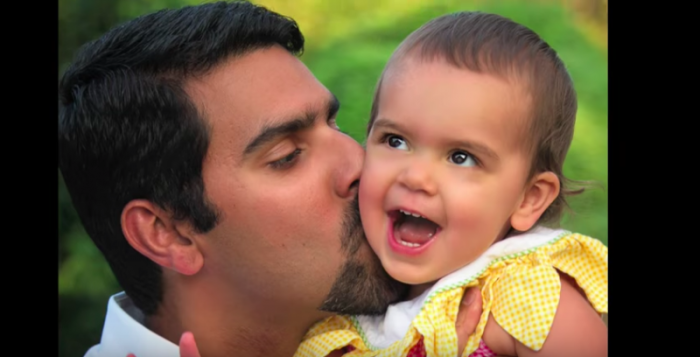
x=577, y=330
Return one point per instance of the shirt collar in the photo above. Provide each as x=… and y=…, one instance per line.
x=124, y=332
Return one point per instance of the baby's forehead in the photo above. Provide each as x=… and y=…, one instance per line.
x=404, y=70
x=432, y=90
x=519, y=77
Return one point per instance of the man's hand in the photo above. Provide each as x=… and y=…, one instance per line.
x=467, y=317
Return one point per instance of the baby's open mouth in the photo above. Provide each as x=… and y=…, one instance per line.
x=411, y=229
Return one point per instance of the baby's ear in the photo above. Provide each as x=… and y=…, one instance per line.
x=542, y=190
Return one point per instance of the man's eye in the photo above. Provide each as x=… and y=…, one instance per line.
x=286, y=161
x=333, y=124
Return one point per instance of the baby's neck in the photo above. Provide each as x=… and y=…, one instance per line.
x=416, y=290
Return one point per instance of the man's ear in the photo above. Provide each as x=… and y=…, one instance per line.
x=153, y=233
x=541, y=191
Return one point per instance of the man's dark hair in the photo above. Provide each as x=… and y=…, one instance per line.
x=127, y=130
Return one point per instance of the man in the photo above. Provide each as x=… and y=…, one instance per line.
x=204, y=161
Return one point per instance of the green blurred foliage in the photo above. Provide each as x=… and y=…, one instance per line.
x=348, y=44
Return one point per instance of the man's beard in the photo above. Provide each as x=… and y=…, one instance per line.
x=362, y=287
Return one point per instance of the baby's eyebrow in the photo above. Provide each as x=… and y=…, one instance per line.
x=473, y=146
x=386, y=123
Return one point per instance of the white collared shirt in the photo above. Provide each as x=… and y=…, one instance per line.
x=124, y=332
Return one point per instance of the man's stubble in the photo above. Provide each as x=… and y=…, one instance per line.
x=362, y=287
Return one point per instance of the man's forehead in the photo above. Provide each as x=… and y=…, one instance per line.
x=262, y=88
x=262, y=72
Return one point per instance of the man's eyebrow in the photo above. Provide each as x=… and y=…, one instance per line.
x=269, y=133
x=333, y=106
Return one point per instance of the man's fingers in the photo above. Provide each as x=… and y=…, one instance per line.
x=468, y=316
x=188, y=348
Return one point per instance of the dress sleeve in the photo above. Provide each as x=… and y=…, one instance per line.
x=586, y=260
x=525, y=299
x=333, y=333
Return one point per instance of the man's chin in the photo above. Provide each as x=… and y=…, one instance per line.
x=363, y=287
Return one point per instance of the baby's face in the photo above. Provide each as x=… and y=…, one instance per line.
x=446, y=145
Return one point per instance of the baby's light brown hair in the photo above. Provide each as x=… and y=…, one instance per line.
x=492, y=44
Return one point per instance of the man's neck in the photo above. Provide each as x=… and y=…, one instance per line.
x=230, y=325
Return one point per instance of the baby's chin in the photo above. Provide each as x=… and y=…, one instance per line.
x=418, y=289
x=419, y=279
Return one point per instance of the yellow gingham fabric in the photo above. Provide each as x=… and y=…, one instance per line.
x=521, y=291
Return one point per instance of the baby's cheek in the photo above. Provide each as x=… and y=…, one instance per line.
x=475, y=229
x=367, y=196
x=475, y=209
x=370, y=202
x=372, y=185
x=467, y=219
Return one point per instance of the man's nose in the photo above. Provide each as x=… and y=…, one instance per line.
x=348, y=163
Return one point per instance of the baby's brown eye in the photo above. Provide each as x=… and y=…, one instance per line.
x=462, y=158
x=395, y=141
x=459, y=157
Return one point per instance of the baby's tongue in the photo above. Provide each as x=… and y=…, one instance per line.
x=415, y=230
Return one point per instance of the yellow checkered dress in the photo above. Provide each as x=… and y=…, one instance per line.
x=519, y=285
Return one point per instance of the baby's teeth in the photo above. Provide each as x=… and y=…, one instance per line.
x=409, y=213
x=409, y=244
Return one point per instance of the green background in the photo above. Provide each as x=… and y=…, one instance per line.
x=348, y=43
